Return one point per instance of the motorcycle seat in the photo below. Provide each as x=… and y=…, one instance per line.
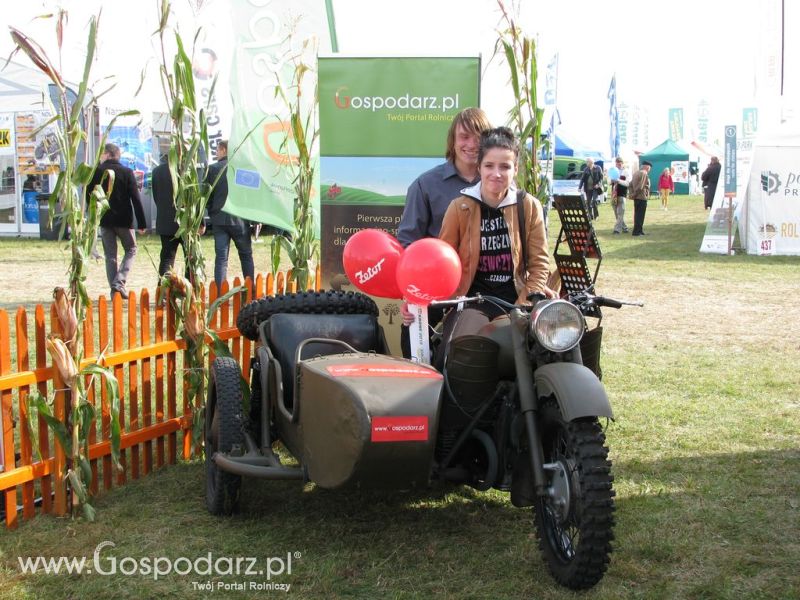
x=285, y=332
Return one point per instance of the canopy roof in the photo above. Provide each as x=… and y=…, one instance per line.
x=566, y=146
x=665, y=150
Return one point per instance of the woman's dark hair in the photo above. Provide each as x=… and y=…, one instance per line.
x=499, y=137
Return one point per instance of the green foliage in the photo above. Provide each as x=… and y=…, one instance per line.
x=524, y=117
x=81, y=213
x=303, y=248
x=188, y=136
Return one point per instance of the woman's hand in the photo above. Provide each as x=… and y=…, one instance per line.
x=408, y=317
x=550, y=293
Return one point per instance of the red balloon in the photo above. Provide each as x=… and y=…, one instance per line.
x=370, y=261
x=429, y=270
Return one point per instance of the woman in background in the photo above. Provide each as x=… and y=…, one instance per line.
x=665, y=187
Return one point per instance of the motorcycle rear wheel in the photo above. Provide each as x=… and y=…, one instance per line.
x=575, y=524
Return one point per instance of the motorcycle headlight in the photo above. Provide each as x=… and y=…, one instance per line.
x=558, y=325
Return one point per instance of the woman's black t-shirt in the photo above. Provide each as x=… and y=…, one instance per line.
x=495, y=275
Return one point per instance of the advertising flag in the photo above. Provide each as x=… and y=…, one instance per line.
x=749, y=122
x=703, y=117
x=675, y=124
x=551, y=82
x=268, y=36
x=613, y=137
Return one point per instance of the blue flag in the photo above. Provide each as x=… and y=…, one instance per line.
x=613, y=137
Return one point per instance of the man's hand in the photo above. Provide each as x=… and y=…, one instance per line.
x=142, y=231
x=408, y=317
x=202, y=229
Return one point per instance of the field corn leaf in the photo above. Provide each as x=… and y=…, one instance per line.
x=55, y=425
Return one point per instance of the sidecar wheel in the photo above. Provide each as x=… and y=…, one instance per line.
x=575, y=524
x=310, y=303
x=223, y=431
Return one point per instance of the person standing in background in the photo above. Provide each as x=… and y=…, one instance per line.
x=619, y=177
x=665, y=187
x=592, y=185
x=710, y=177
x=640, y=192
x=117, y=222
x=166, y=223
x=226, y=227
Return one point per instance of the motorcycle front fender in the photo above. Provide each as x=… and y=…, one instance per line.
x=577, y=390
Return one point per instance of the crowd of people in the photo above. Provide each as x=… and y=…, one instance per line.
x=126, y=210
x=623, y=186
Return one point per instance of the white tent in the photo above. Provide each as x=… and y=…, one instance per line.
x=22, y=88
x=769, y=219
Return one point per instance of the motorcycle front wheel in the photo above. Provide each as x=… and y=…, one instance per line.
x=575, y=521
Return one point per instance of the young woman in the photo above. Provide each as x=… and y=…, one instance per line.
x=665, y=187
x=483, y=225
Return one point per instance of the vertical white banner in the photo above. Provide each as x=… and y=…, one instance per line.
x=212, y=58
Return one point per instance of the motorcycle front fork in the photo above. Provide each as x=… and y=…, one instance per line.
x=527, y=399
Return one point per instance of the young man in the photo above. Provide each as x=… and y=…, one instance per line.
x=640, y=192
x=226, y=227
x=430, y=194
x=117, y=222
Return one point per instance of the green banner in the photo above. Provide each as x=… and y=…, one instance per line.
x=392, y=106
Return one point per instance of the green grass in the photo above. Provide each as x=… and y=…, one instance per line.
x=33, y=267
x=706, y=442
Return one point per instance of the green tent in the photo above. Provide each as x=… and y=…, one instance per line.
x=664, y=156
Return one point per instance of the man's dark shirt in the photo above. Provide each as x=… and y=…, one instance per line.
x=124, y=200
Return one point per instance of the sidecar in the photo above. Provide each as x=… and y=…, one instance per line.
x=322, y=384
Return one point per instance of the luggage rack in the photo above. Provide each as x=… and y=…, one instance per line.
x=578, y=233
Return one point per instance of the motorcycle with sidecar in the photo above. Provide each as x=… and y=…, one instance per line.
x=516, y=407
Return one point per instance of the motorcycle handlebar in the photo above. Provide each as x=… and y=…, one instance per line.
x=579, y=300
x=609, y=302
x=470, y=299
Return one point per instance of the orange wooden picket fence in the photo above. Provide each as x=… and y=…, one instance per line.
x=138, y=341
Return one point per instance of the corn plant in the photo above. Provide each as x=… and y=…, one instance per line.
x=81, y=213
x=188, y=136
x=303, y=247
x=524, y=117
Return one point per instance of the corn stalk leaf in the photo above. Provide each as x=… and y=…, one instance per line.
x=112, y=392
x=42, y=408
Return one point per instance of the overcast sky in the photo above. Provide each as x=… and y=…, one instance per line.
x=687, y=51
